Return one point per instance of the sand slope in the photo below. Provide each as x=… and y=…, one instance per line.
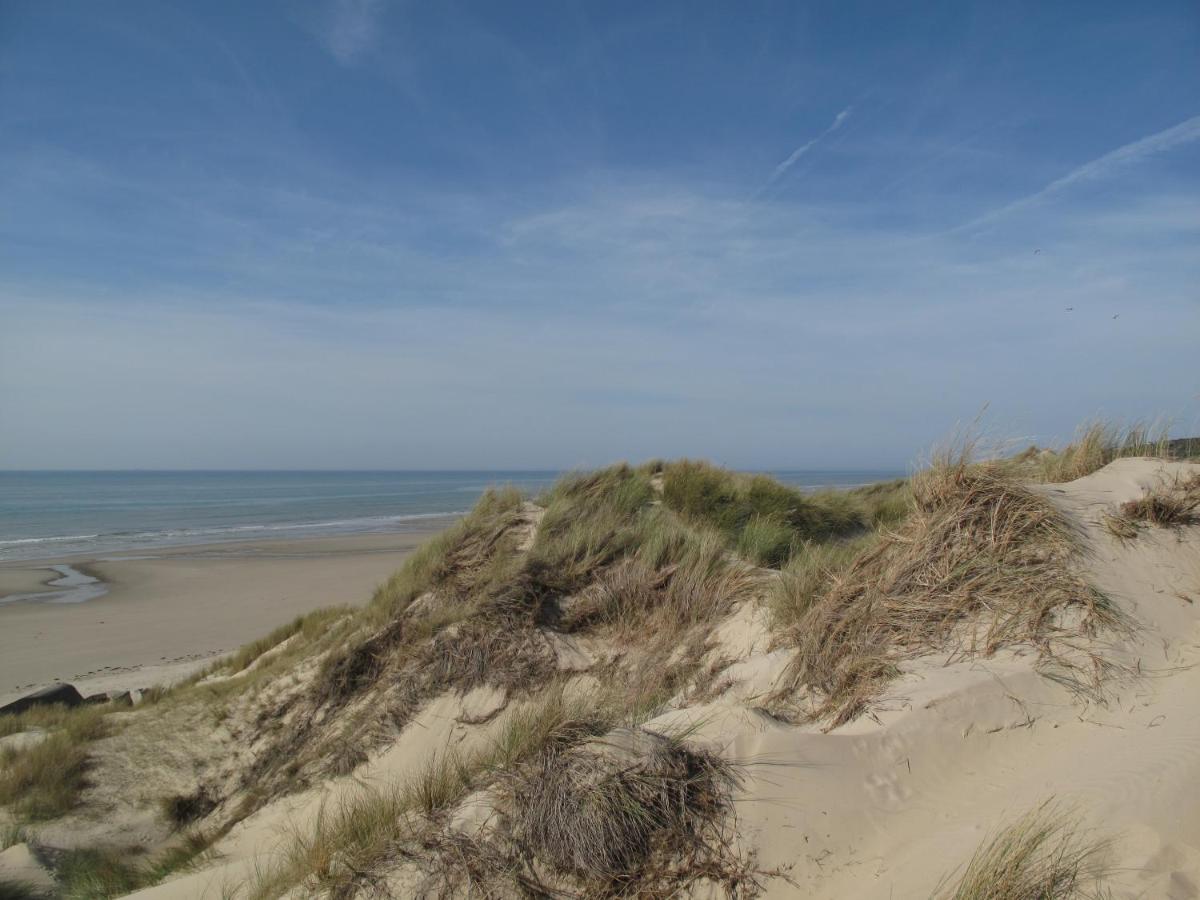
x=884, y=809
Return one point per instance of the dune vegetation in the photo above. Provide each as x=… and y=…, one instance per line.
x=1044, y=855
x=43, y=781
x=560, y=628
x=975, y=541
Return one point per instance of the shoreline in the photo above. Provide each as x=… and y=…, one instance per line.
x=109, y=548
x=167, y=612
x=63, y=583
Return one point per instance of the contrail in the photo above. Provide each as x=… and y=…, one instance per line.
x=1185, y=132
x=781, y=169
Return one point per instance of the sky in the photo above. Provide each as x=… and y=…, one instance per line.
x=370, y=234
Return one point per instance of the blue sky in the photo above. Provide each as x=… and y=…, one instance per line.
x=353, y=233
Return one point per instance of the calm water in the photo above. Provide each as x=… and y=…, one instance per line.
x=50, y=514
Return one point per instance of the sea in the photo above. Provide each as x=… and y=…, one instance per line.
x=45, y=515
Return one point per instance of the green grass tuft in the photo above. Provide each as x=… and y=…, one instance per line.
x=766, y=542
x=11, y=889
x=1043, y=856
x=44, y=781
x=765, y=520
x=98, y=874
x=810, y=573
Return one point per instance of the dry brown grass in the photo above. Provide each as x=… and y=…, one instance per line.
x=810, y=574
x=1168, y=505
x=602, y=811
x=630, y=814
x=1120, y=527
x=1095, y=446
x=982, y=562
x=467, y=568
x=356, y=839
x=485, y=603
x=457, y=562
x=673, y=576
x=1043, y=856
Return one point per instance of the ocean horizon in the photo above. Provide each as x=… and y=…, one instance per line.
x=56, y=513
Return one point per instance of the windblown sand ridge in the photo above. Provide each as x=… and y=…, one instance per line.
x=610, y=649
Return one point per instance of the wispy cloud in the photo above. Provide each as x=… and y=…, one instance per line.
x=782, y=168
x=1102, y=167
x=353, y=28
x=626, y=288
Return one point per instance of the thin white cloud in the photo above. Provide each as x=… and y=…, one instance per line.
x=353, y=28
x=623, y=288
x=782, y=168
x=1104, y=166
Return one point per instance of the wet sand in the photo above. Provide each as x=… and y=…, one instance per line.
x=165, y=614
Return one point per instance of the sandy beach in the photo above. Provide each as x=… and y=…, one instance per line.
x=167, y=613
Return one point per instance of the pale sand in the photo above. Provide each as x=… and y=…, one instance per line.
x=886, y=806
x=166, y=614
x=27, y=579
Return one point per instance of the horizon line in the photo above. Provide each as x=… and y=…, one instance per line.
x=368, y=471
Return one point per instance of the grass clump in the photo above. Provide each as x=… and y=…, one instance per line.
x=11, y=833
x=1043, y=856
x=885, y=503
x=765, y=519
x=608, y=811
x=809, y=574
x=309, y=627
x=37, y=718
x=97, y=874
x=1120, y=526
x=703, y=583
x=457, y=562
x=44, y=781
x=591, y=521
x=981, y=562
x=1168, y=505
x=671, y=577
x=766, y=542
x=11, y=889
x=1095, y=446
x=184, y=809
x=465, y=566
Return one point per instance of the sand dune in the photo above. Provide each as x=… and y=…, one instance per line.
x=889, y=805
